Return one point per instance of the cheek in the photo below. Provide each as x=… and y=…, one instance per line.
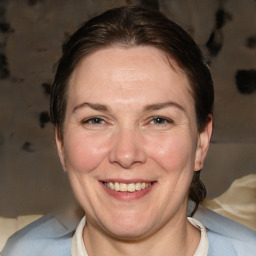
x=84, y=153
x=173, y=153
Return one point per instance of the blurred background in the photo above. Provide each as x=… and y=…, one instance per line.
x=32, y=34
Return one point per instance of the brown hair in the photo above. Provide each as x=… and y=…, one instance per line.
x=136, y=26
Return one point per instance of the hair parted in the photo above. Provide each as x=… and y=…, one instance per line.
x=133, y=26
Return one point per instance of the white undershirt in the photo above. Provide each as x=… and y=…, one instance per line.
x=78, y=247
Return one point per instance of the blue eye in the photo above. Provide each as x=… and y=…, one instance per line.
x=93, y=120
x=160, y=120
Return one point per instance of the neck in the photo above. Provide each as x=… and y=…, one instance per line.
x=177, y=237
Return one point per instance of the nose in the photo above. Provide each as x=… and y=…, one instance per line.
x=127, y=149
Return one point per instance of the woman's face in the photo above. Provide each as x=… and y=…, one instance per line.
x=130, y=142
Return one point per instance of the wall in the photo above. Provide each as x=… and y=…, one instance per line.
x=32, y=33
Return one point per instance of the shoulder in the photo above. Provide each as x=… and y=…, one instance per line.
x=226, y=237
x=46, y=236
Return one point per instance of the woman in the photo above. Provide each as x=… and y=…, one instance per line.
x=132, y=107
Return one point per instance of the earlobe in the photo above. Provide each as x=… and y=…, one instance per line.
x=203, y=145
x=60, y=148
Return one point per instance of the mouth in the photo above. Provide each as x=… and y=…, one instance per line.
x=127, y=187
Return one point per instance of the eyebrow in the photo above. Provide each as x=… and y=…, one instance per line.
x=163, y=105
x=95, y=106
x=147, y=108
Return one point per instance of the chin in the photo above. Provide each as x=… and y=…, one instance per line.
x=130, y=234
x=128, y=228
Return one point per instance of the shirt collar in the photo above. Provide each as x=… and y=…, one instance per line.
x=78, y=247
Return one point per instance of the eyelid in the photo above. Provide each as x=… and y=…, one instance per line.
x=169, y=120
x=88, y=119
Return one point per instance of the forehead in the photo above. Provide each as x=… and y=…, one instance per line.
x=121, y=72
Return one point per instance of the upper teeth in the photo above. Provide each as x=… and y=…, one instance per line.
x=131, y=187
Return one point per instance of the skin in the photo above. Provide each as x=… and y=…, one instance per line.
x=131, y=118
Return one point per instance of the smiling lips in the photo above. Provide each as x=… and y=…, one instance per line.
x=130, y=187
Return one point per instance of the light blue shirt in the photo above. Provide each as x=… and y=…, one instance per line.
x=48, y=236
x=226, y=237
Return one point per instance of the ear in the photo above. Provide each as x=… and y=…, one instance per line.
x=203, y=143
x=60, y=148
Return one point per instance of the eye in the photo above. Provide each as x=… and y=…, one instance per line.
x=94, y=121
x=161, y=120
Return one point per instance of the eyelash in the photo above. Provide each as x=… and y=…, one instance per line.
x=163, y=120
x=92, y=120
x=96, y=120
